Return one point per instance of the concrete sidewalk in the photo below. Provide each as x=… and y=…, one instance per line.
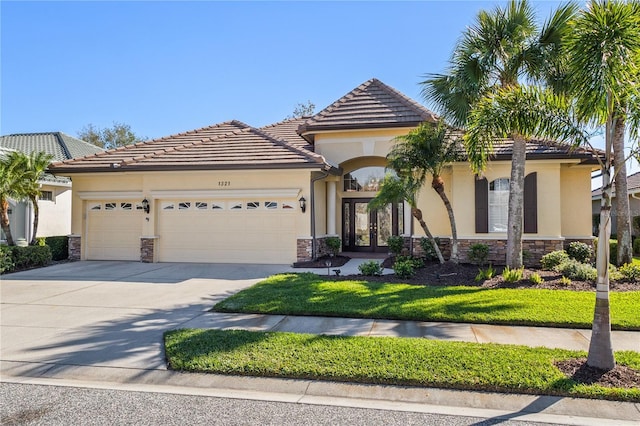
x=561, y=338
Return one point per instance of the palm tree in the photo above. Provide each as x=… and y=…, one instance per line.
x=404, y=187
x=502, y=47
x=13, y=186
x=603, y=50
x=35, y=165
x=427, y=149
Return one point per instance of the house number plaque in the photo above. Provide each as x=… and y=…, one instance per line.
x=224, y=183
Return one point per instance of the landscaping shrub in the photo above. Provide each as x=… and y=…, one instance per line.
x=613, y=250
x=415, y=261
x=334, y=244
x=404, y=268
x=580, y=251
x=550, y=260
x=396, y=244
x=535, y=278
x=575, y=270
x=27, y=257
x=565, y=281
x=512, y=275
x=485, y=274
x=630, y=272
x=6, y=260
x=478, y=254
x=370, y=268
x=427, y=248
x=636, y=246
x=59, y=247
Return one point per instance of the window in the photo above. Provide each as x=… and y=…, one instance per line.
x=287, y=206
x=498, y=205
x=110, y=206
x=184, y=205
x=236, y=206
x=271, y=204
x=201, y=205
x=364, y=179
x=252, y=205
x=46, y=195
x=168, y=206
x=126, y=206
x=97, y=206
x=217, y=206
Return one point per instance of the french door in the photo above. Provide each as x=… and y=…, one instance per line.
x=364, y=230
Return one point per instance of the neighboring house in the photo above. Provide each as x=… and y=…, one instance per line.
x=234, y=193
x=55, y=198
x=633, y=190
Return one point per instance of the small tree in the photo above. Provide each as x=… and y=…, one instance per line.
x=119, y=134
x=303, y=110
x=395, y=189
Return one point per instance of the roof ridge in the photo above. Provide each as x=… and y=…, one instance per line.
x=343, y=99
x=409, y=101
x=311, y=155
x=63, y=144
x=278, y=123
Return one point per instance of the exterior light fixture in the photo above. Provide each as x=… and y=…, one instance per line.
x=145, y=206
x=303, y=204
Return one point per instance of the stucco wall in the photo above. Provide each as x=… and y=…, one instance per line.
x=55, y=216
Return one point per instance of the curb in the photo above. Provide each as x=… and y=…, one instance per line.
x=539, y=408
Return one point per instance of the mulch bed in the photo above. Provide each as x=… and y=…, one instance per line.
x=620, y=377
x=321, y=262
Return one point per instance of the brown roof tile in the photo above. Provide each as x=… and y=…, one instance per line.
x=373, y=104
x=633, y=186
x=224, y=146
x=287, y=131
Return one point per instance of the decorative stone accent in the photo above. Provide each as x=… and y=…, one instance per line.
x=533, y=250
x=147, y=245
x=304, y=249
x=75, y=247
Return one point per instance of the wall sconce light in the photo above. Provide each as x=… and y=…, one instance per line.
x=303, y=204
x=145, y=206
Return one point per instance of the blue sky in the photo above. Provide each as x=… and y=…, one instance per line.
x=168, y=67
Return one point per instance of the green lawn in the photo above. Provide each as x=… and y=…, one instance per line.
x=384, y=360
x=309, y=294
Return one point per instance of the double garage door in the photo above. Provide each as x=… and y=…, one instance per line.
x=197, y=230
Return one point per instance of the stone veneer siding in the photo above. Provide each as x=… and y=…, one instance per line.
x=147, y=245
x=304, y=249
x=75, y=247
x=533, y=250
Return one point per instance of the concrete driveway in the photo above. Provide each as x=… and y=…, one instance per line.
x=108, y=314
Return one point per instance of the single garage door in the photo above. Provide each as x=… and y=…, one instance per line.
x=227, y=231
x=113, y=230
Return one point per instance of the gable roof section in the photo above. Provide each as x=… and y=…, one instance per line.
x=545, y=150
x=287, y=131
x=223, y=146
x=373, y=104
x=58, y=144
x=633, y=186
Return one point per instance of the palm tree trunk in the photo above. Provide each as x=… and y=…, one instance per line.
x=600, y=347
x=4, y=221
x=623, y=219
x=516, y=203
x=417, y=213
x=439, y=188
x=36, y=214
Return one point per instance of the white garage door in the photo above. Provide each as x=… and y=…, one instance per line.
x=227, y=231
x=113, y=230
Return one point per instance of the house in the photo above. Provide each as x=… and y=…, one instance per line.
x=55, y=198
x=234, y=193
x=633, y=191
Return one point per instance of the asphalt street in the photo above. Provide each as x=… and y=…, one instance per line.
x=53, y=405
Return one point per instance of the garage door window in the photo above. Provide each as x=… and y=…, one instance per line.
x=271, y=204
x=201, y=205
x=217, y=206
x=126, y=206
x=168, y=206
x=287, y=206
x=95, y=206
x=236, y=206
x=184, y=205
x=252, y=205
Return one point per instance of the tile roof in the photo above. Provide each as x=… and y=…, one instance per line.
x=287, y=130
x=633, y=186
x=544, y=149
x=223, y=146
x=373, y=104
x=58, y=144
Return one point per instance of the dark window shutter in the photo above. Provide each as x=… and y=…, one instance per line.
x=482, y=206
x=531, y=203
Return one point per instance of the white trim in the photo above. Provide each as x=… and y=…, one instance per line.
x=218, y=194
x=110, y=195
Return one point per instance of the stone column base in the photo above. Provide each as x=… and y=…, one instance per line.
x=75, y=247
x=304, y=250
x=147, y=246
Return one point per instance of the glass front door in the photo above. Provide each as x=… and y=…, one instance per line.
x=365, y=230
